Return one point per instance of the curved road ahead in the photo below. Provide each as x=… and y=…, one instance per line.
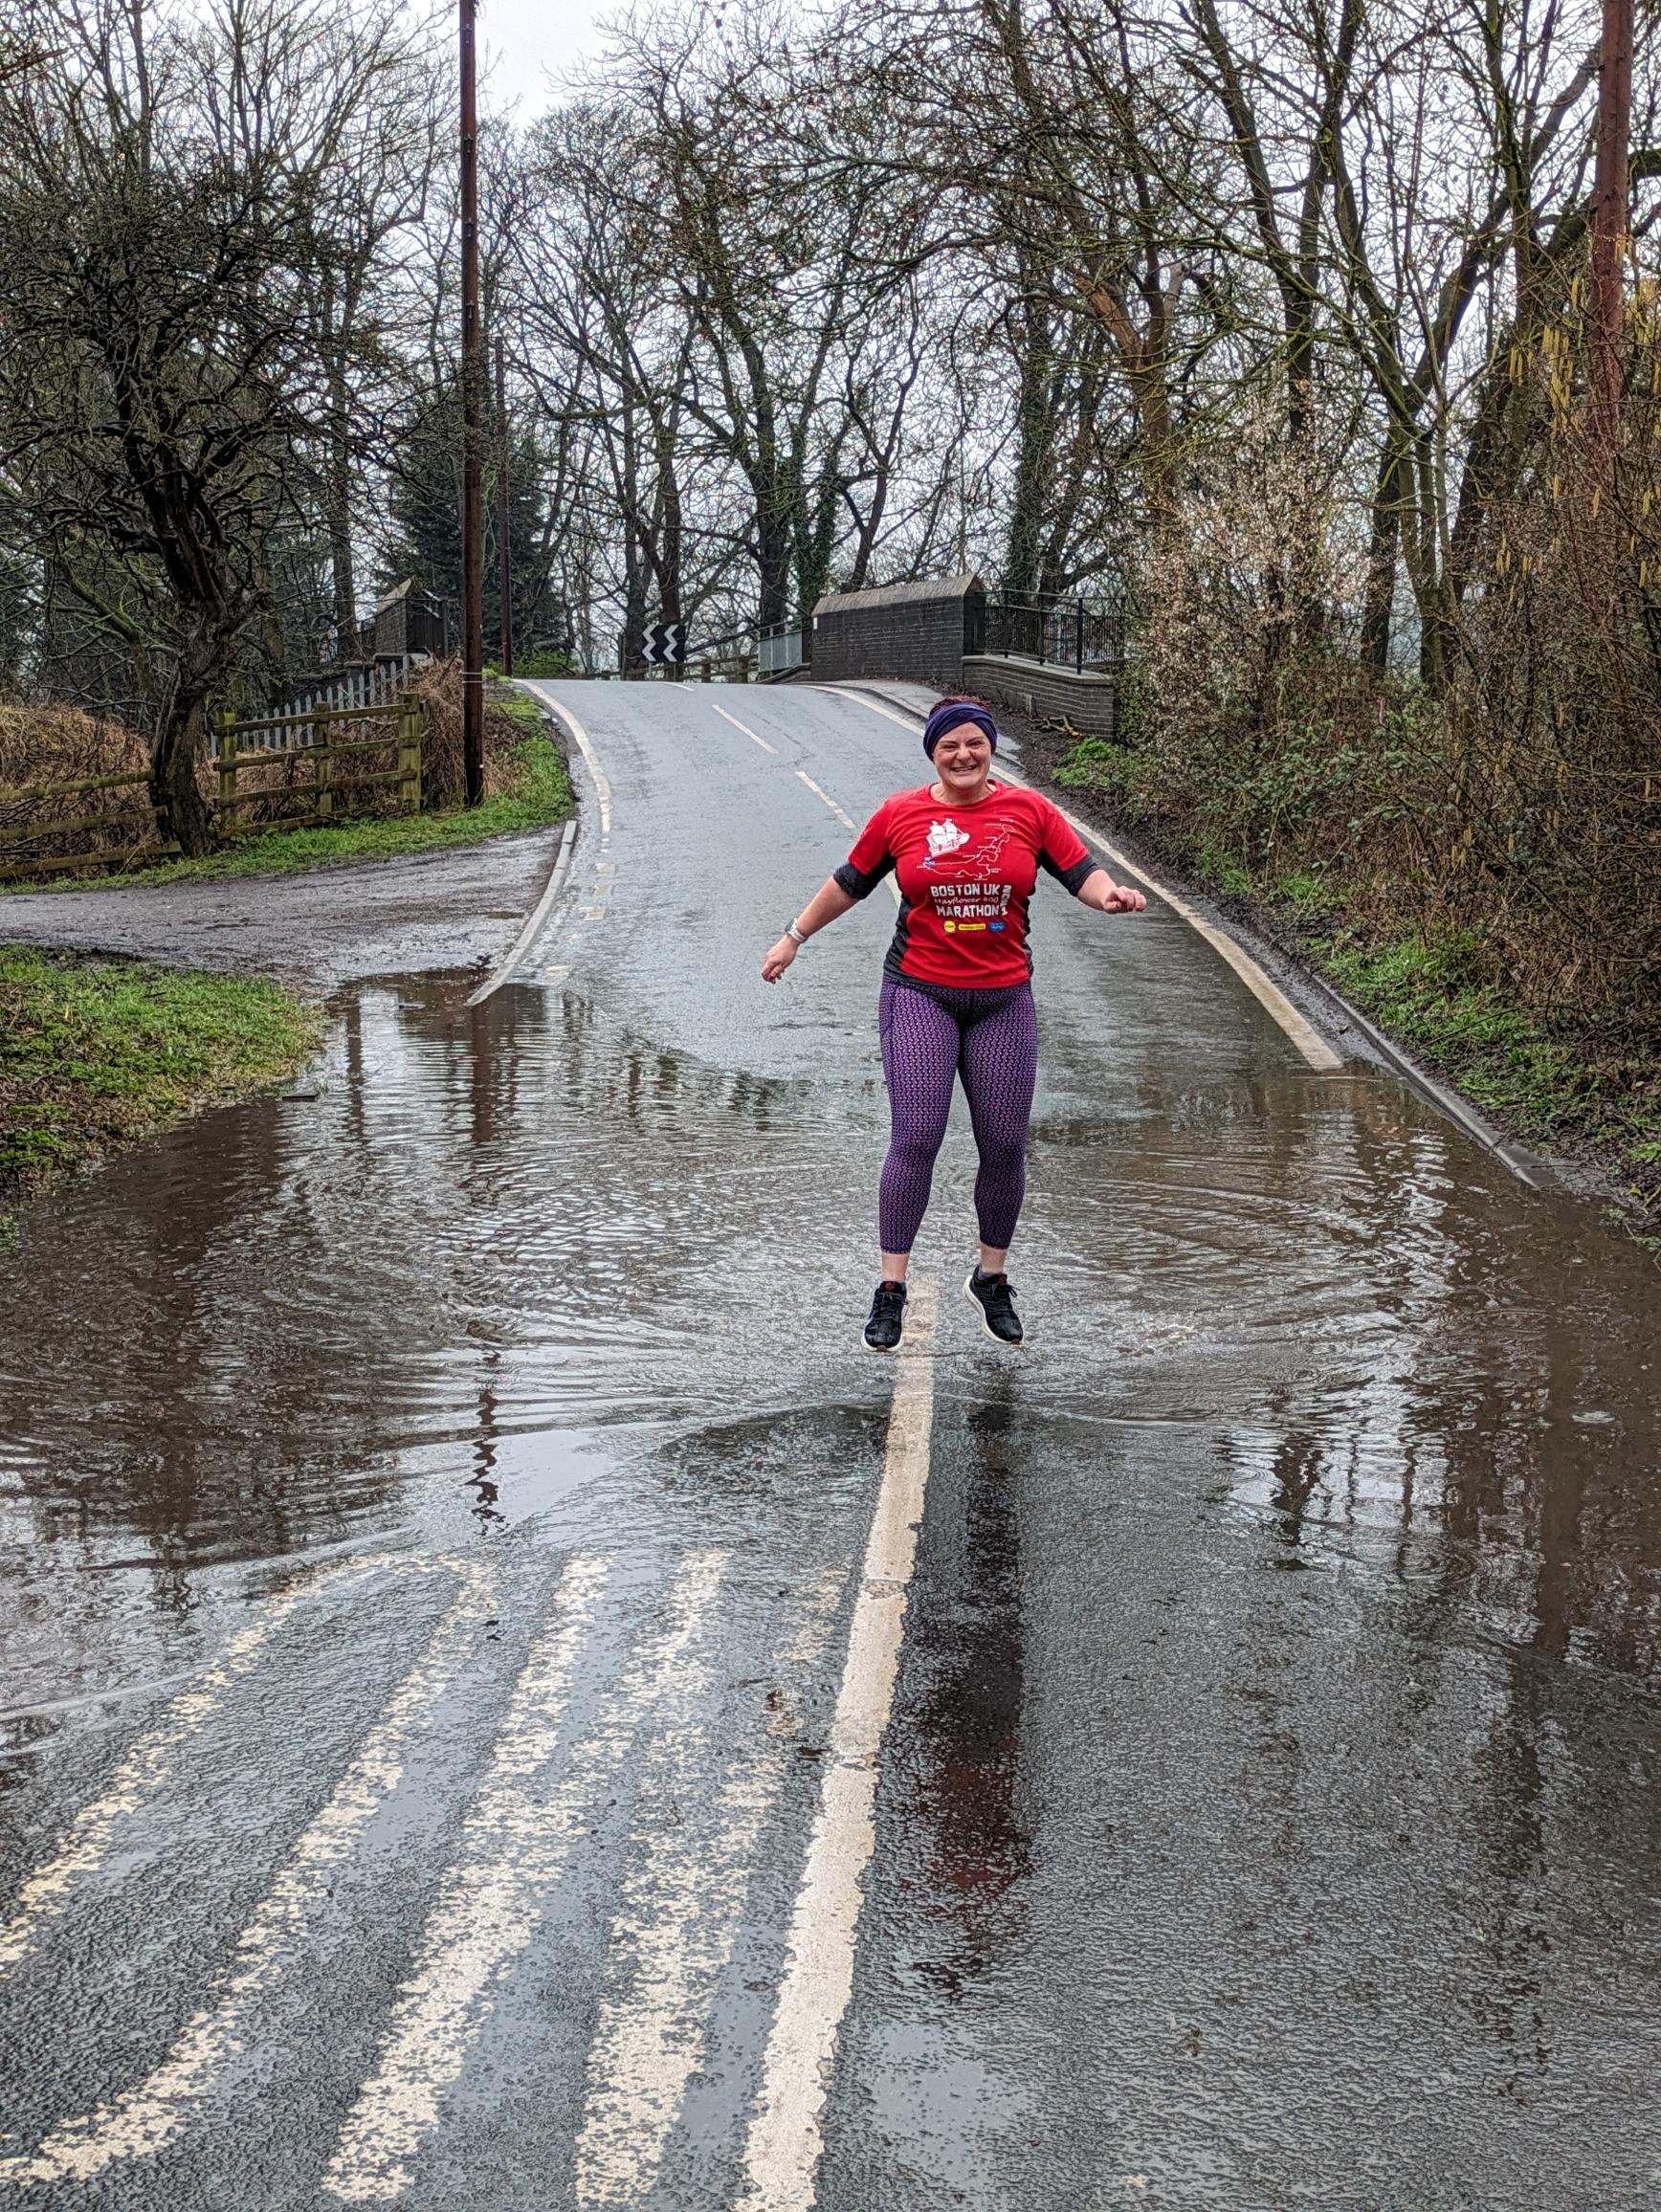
x=509, y=1706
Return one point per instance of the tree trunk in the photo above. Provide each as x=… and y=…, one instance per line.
x=1034, y=431
x=185, y=818
x=772, y=555
x=1381, y=556
x=346, y=586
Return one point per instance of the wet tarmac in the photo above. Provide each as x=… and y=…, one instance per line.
x=433, y=1508
x=331, y=926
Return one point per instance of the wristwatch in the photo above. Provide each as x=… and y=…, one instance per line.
x=795, y=935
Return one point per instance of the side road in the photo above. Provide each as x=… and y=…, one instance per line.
x=447, y=908
x=126, y=1009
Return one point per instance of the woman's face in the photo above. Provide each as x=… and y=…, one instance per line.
x=963, y=756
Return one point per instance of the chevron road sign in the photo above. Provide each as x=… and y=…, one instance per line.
x=666, y=644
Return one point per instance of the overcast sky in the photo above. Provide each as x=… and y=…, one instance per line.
x=526, y=40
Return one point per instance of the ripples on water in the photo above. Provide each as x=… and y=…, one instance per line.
x=504, y=1249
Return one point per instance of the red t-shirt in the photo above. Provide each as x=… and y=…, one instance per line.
x=965, y=874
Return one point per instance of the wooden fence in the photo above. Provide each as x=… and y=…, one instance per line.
x=323, y=777
x=16, y=837
x=325, y=786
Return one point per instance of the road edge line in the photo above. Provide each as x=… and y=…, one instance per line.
x=555, y=710
x=586, y=746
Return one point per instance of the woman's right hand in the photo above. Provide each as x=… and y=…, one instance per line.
x=778, y=959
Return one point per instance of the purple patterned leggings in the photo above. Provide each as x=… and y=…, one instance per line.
x=990, y=1039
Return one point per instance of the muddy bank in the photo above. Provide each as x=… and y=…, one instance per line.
x=112, y=1051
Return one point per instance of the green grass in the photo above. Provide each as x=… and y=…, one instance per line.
x=540, y=793
x=1546, y=1088
x=518, y=707
x=97, y=1052
x=1096, y=764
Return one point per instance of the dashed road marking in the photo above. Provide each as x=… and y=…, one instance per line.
x=745, y=728
x=1309, y=1041
x=847, y=820
x=677, y=1919
x=141, y=2120
x=786, y=2139
x=515, y=1845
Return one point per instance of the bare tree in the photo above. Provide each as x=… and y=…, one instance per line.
x=168, y=193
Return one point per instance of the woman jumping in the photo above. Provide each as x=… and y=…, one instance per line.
x=957, y=998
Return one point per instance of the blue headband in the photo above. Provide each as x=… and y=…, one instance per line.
x=949, y=714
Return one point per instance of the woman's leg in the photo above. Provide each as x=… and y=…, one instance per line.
x=999, y=1064
x=919, y=1059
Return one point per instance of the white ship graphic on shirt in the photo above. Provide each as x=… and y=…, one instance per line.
x=953, y=851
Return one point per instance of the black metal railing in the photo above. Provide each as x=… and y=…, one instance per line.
x=1059, y=632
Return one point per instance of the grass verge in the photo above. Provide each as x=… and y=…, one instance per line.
x=1550, y=1090
x=1428, y=990
x=536, y=791
x=97, y=1052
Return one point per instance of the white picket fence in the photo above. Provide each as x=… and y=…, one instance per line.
x=373, y=683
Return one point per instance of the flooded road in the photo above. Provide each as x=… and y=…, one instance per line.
x=438, y=1615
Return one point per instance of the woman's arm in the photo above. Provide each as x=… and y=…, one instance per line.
x=1099, y=890
x=826, y=904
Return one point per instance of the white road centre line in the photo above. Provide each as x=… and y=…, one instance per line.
x=1309, y=1041
x=141, y=2120
x=846, y=819
x=747, y=731
x=515, y=1845
x=679, y=1918
x=786, y=2140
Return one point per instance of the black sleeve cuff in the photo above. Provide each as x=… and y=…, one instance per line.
x=1075, y=877
x=855, y=882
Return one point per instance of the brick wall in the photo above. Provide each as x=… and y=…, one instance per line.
x=1089, y=704
x=910, y=630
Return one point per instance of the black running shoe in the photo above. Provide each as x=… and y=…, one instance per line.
x=887, y=1318
x=996, y=1300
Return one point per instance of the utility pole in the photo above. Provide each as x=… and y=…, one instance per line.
x=1609, y=219
x=471, y=427
x=504, y=567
